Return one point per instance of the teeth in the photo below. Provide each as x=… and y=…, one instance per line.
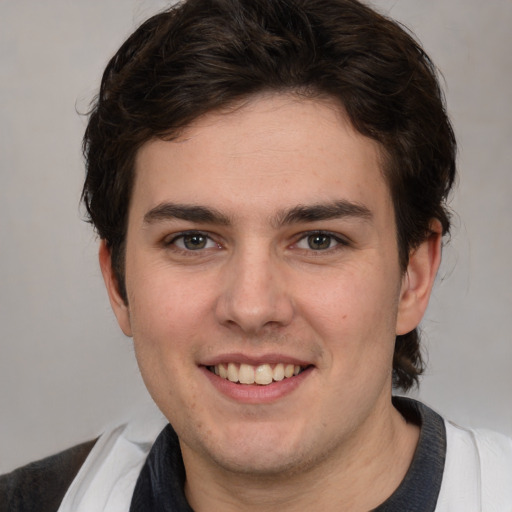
x=232, y=372
x=246, y=374
x=262, y=374
x=279, y=372
x=223, y=371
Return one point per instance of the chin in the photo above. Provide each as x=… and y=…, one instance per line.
x=262, y=451
x=262, y=463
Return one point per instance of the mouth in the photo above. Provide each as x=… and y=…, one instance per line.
x=262, y=374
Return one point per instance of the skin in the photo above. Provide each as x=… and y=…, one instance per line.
x=259, y=289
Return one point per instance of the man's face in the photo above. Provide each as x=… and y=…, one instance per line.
x=260, y=243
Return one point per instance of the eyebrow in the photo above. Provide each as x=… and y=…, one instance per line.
x=317, y=212
x=192, y=213
x=301, y=213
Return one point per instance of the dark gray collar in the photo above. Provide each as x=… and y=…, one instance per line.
x=420, y=488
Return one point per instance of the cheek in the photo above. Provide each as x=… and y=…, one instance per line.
x=354, y=313
x=166, y=305
x=164, y=321
x=366, y=296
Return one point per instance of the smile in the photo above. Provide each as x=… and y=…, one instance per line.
x=262, y=374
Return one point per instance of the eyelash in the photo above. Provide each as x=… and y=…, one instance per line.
x=339, y=241
x=172, y=242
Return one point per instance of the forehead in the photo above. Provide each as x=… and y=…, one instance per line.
x=270, y=152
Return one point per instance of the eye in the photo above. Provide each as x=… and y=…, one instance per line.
x=193, y=241
x=319, y=241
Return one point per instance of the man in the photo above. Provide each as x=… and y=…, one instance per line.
x=268, y=179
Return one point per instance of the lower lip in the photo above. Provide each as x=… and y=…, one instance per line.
x=254, y=393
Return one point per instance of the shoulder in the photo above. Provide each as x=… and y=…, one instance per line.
x=41, y=485
x=478, y=469
x=107, y=478
x=491, y=451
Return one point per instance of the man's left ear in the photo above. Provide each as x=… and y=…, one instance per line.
x=418, y=280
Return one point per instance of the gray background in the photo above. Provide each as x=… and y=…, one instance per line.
x=65, y=368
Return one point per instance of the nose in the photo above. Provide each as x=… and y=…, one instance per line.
x=254, y=295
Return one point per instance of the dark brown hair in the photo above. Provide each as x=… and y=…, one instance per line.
x=202, y=55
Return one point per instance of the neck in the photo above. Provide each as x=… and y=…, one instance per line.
x=358, y=475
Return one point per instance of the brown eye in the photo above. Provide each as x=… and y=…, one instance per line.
x=319, y=241
x=194, y=242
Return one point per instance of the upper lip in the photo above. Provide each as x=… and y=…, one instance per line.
x=254, y=360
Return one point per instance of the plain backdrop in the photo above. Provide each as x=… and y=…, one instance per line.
x=65, y=368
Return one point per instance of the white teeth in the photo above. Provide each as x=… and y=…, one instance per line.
x=223, y=371
x=262, y=374
x=246, y=374
x=279, y=372
x=232, y=372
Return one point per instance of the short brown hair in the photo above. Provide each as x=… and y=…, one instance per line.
x=202, y=55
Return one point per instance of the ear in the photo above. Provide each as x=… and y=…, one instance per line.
x=418, y=280
x=119, y=306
